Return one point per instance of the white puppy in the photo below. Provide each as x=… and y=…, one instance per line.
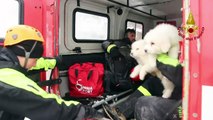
x=147, y=64
x=163, y=38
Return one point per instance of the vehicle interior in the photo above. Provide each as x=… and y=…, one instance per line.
x=75, y=47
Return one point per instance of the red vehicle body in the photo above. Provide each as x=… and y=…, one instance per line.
x=43, y=14
x=200, y=71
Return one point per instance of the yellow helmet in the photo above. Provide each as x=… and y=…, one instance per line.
x=20, y=33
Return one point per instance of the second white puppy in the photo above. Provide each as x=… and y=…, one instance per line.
x=147, y=64
x=163, y=38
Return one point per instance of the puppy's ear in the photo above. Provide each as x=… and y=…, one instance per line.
x=165, y=47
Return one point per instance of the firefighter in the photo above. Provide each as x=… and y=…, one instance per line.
x=146, y=102
x=112, y=47
x=21, y=97
x=158, y=108
x=119, y=63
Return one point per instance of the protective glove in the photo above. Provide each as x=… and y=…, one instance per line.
x=48, y=63
x=44, y=63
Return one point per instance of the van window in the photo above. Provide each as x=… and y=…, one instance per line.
x=138, y=26
x=9, y=12
x=90, y=26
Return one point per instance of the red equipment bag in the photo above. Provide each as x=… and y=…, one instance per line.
x=86, y=79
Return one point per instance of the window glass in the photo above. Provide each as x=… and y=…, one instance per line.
x=137, y=26
x=90, y=27
x=130, y=25
x=9, y=12
x=139, y=31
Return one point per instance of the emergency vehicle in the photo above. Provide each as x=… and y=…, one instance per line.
x=75, y=29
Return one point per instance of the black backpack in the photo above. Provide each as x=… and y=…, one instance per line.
x=117, y=73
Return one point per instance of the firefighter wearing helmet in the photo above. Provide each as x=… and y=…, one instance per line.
x=25, y=42
x=20, y=96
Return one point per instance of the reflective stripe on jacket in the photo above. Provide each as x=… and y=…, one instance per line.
x=22, y=96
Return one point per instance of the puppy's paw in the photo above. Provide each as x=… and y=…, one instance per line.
x=141, y=76
x=133, y=75
x=167, y=93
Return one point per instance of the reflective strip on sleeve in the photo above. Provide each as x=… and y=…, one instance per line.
x=110, y=47
x=165, y=59
x=144, y=91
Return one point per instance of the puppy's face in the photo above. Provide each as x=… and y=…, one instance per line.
x=156, y=43
x=137, y=49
